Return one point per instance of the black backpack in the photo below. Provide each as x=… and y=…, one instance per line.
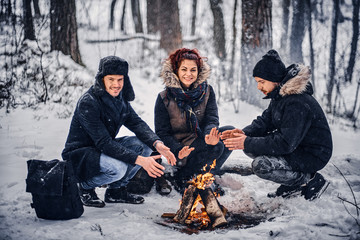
x=54, y=189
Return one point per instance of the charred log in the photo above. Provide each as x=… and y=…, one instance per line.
x=213, y=208
x=187, y=202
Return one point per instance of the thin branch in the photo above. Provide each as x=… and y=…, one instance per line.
x=344, y=200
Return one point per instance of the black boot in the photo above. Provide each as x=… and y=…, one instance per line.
x=121, y=195
x=162, y=186
x=315, y=187
x=286, y=191
x=89, y=198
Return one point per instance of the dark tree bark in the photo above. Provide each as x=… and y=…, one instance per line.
x=297, y=31
x=312, y=57
x=256, y=40
x=233, y=44
x=29, y=32
x=193, y=17
x=170, y=29
x=6, y=10
x=331, y=82
x=112, y=7
x=219, y=29
x=135, y=9
x=354, y=41
x=122, y=23
x=36, y=8
x=63, y=28
x=152, y=16
x=285, y=26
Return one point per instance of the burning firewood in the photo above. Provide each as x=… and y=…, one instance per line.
x=199, y=192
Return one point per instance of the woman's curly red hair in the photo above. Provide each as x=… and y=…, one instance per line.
x=184, y=53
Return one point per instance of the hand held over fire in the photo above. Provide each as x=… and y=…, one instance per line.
x=153, y=168
x=213, y=137
x=236, y=141
x=185, y=151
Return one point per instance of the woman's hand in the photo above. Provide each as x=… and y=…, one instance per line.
x=231, y=133
x=153, y=168
x=213, y=137
x=184, y=152
x=165, y=151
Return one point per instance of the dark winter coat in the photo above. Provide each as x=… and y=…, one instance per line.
x=293, y=126
x=96, y=122
x=170, y=121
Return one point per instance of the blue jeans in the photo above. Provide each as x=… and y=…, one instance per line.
x=277, y=169
x=115, y=172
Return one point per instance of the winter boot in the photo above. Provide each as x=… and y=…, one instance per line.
x=89, y=198
x=121, y=195
x=286, y=191
x=162, y=186
x=315, y=187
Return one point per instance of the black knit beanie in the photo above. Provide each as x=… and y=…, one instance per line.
x=270, y=67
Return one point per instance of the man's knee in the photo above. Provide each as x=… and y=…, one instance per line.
x=261, y=165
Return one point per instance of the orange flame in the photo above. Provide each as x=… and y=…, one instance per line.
x=198, y=213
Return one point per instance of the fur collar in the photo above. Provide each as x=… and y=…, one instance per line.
x=172, y=80
x=298, y=83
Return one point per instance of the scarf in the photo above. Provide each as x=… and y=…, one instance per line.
x=187, y=101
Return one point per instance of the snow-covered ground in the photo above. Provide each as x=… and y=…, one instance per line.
x=27, y=134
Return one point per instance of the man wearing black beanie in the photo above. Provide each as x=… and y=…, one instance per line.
x=98, y=157
x=291, y=141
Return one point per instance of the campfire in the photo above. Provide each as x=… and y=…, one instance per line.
x=199, y=205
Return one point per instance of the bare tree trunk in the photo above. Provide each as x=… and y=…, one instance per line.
x=36, y=8
x=285, y=26
x=112, y=7
x=193, y=17
x=219, y=29
x=29, y=32
x=256, y=39
x=354, y=41
x=122, y=24
x=135, y=9
x=312, y=58
x=152, y=16
x=6, y=10
x=63, y=28
x=233, y=45
x=170, y=29
x=297, y=31
x=331, y=82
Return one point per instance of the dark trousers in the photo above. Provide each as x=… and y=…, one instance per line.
x=205, y=154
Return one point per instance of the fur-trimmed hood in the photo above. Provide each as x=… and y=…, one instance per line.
x=172, y=80
x=296, y=81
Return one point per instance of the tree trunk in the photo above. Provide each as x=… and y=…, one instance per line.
x=312, y=57
x=122, y=23
x=29, y=32
x=285, y=27
x=170, y=29
x=233, y=45
x=331, y=82
x=256, y=40
x=219, y=29
x=193, y=17
x=63, y=29
x=152, y=16
x=354, y=41
x=112, y=7
x=36, y=8
x=135, y=9
x=297, y=31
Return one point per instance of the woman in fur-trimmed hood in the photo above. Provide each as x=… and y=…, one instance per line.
x=186, y=115
x=291, y=140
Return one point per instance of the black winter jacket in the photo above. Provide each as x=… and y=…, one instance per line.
x=293, y=126
x=97, y=120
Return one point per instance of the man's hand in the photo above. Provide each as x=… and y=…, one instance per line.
x=231, y=133
x=185, y=151
x=153, y=168
x=236, y=142
x=165, y=151
x=213, y=137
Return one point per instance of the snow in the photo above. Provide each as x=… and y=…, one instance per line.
x=40, y=133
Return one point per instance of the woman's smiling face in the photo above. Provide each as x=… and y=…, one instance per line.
x=188, y=72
